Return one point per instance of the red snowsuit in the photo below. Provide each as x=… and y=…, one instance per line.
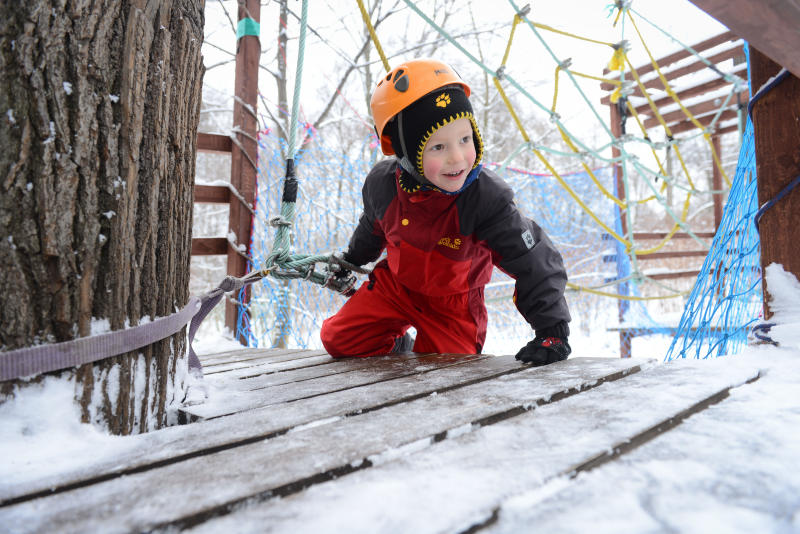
x=440, y=253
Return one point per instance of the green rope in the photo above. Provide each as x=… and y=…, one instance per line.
x=301, y=47
x=280, y=263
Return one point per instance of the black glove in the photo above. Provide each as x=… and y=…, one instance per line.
x=543, y=350
x=338, y=278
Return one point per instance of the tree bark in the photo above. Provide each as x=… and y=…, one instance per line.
x=100, y=104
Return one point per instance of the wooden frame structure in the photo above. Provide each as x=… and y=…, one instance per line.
x=705, y=106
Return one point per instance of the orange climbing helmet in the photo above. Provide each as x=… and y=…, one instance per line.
x=404, y=85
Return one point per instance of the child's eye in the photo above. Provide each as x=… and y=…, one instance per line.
x=466, y=139
x=437, y=147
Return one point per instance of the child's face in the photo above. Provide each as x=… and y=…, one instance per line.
x=449, y=155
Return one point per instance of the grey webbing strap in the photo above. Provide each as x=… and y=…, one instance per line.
x=52, y=357
x=207, y=303
x=55, y=356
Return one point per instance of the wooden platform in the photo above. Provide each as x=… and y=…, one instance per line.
x=282, y=429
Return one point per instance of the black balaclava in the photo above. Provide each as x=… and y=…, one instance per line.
x=410, y=130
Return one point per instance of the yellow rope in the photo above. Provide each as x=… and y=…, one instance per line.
x=517, y=20
x=373, y=35
x=635, y=115
x=580, y=202
x=677, y=100
x=575, y=149
x=582, y=289
x=561, y=32
x=511, y=109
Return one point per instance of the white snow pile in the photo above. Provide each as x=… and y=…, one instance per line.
x=784, y=291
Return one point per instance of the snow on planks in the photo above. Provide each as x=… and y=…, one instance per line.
x=370, y=419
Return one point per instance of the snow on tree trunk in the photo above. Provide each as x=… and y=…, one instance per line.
x=100, y=104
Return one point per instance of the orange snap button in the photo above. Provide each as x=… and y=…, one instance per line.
x=404, y=222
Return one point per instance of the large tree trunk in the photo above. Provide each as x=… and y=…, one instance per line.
x=100, y=104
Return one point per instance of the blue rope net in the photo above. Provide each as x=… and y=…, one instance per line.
x=726, y=300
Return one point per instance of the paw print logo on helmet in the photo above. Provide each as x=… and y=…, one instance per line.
x=404, y=85
x=442, y=100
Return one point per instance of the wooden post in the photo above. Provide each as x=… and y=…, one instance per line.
x=616, y=130
x=245, y=124
x=776, y=127
x=716, y=181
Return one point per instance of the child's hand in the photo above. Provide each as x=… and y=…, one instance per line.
x=544, y=350
x=338, y=278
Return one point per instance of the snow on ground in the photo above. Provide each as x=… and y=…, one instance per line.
x=734, y=467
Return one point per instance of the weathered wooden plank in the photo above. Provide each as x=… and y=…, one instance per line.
x=245, y=354
x=460, y=482
x=209, y=246
x=255, y=360
x=258, y=369
x=736, y=463
x=178, y=443
x=253, y=378
x=212, y=194
x=229, y=401
x=202, y=486
x=208, y=142
x=772, y=27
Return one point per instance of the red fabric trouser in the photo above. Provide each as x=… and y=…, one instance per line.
x=380, y=311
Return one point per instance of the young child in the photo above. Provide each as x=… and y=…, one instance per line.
x=444, y=222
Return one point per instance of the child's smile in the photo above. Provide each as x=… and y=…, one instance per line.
x=449, y=155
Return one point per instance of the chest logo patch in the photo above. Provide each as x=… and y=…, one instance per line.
x=455, y=244
x=527, y=237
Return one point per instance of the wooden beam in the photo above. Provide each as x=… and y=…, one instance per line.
x=691, y=92
x=212, y=194
x=771, y=26
x=687, y=125
x=728, y=129
x=698, y=109
x=209, y=246
x=616, y=123
x=681, y=54
x=776, y=133
x=218, y=143
x=716, y=181
x=672, y=275
x=705, y=87
x=244, y=153
x=673, y=74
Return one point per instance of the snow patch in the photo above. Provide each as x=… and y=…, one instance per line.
x=10, y=116
x=41, y=433
x=113, y=98
x=67, y=88
x=312, y=424
x=784, y=292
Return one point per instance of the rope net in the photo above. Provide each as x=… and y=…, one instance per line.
x=589, y=196
x=726, y=300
